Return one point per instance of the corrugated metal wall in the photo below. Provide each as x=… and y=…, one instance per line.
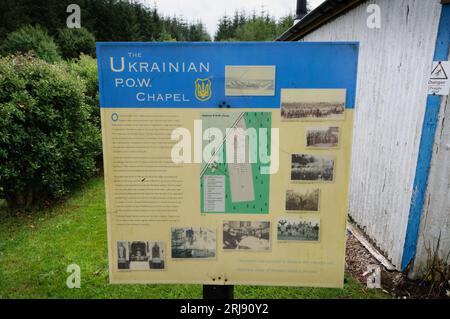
x=435, y=224
x=394, y=64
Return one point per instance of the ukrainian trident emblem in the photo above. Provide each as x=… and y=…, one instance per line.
x=203, y=89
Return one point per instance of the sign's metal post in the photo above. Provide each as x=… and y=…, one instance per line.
x=218, y=292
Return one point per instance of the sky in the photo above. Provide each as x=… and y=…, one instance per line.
x=209, y=11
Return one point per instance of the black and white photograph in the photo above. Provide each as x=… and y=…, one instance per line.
x=193, y=242
x=298, y=229
x=322, y=137
x=250, y=80
x=246, y=235
x=140, y=255
x=312, y=168
x=319, y=104
x=302, y=200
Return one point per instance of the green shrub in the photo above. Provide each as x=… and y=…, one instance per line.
x=47, y=142
x=73, y=42
x=86, y=68
x=29, y=38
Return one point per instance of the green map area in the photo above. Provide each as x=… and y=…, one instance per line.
x=242, y=188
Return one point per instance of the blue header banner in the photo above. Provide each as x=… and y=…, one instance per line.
x=193, y=75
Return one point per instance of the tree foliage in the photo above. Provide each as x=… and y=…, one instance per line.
x=179, y=30
x=73, y=42
x=107, y=20
x=253, y=27
x=29, y=38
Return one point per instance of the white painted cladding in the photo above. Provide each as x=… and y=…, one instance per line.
x=435, y=223
x=394, y=64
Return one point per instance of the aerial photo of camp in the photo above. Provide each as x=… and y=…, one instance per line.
x=250, y=80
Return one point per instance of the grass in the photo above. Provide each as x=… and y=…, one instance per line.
x=35, y=250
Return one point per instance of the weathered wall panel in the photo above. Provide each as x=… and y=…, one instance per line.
x=394, y=63
x=435, y=223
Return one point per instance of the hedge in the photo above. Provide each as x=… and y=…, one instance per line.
x=48, y=141
x=31, y=38
x=86, y=68
x=73, y=42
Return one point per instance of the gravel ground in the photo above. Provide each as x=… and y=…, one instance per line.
x=395, y=283
x=358, y=258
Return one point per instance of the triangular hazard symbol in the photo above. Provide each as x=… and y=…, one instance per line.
x=439, y=73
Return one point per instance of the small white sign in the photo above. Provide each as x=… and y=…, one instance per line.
x=439, y=82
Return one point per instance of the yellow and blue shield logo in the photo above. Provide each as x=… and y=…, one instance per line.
x=203, y=89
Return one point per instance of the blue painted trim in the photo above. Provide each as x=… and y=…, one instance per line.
x=426, y=145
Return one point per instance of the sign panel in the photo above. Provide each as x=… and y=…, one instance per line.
x=439, y=82
x=227, y=163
